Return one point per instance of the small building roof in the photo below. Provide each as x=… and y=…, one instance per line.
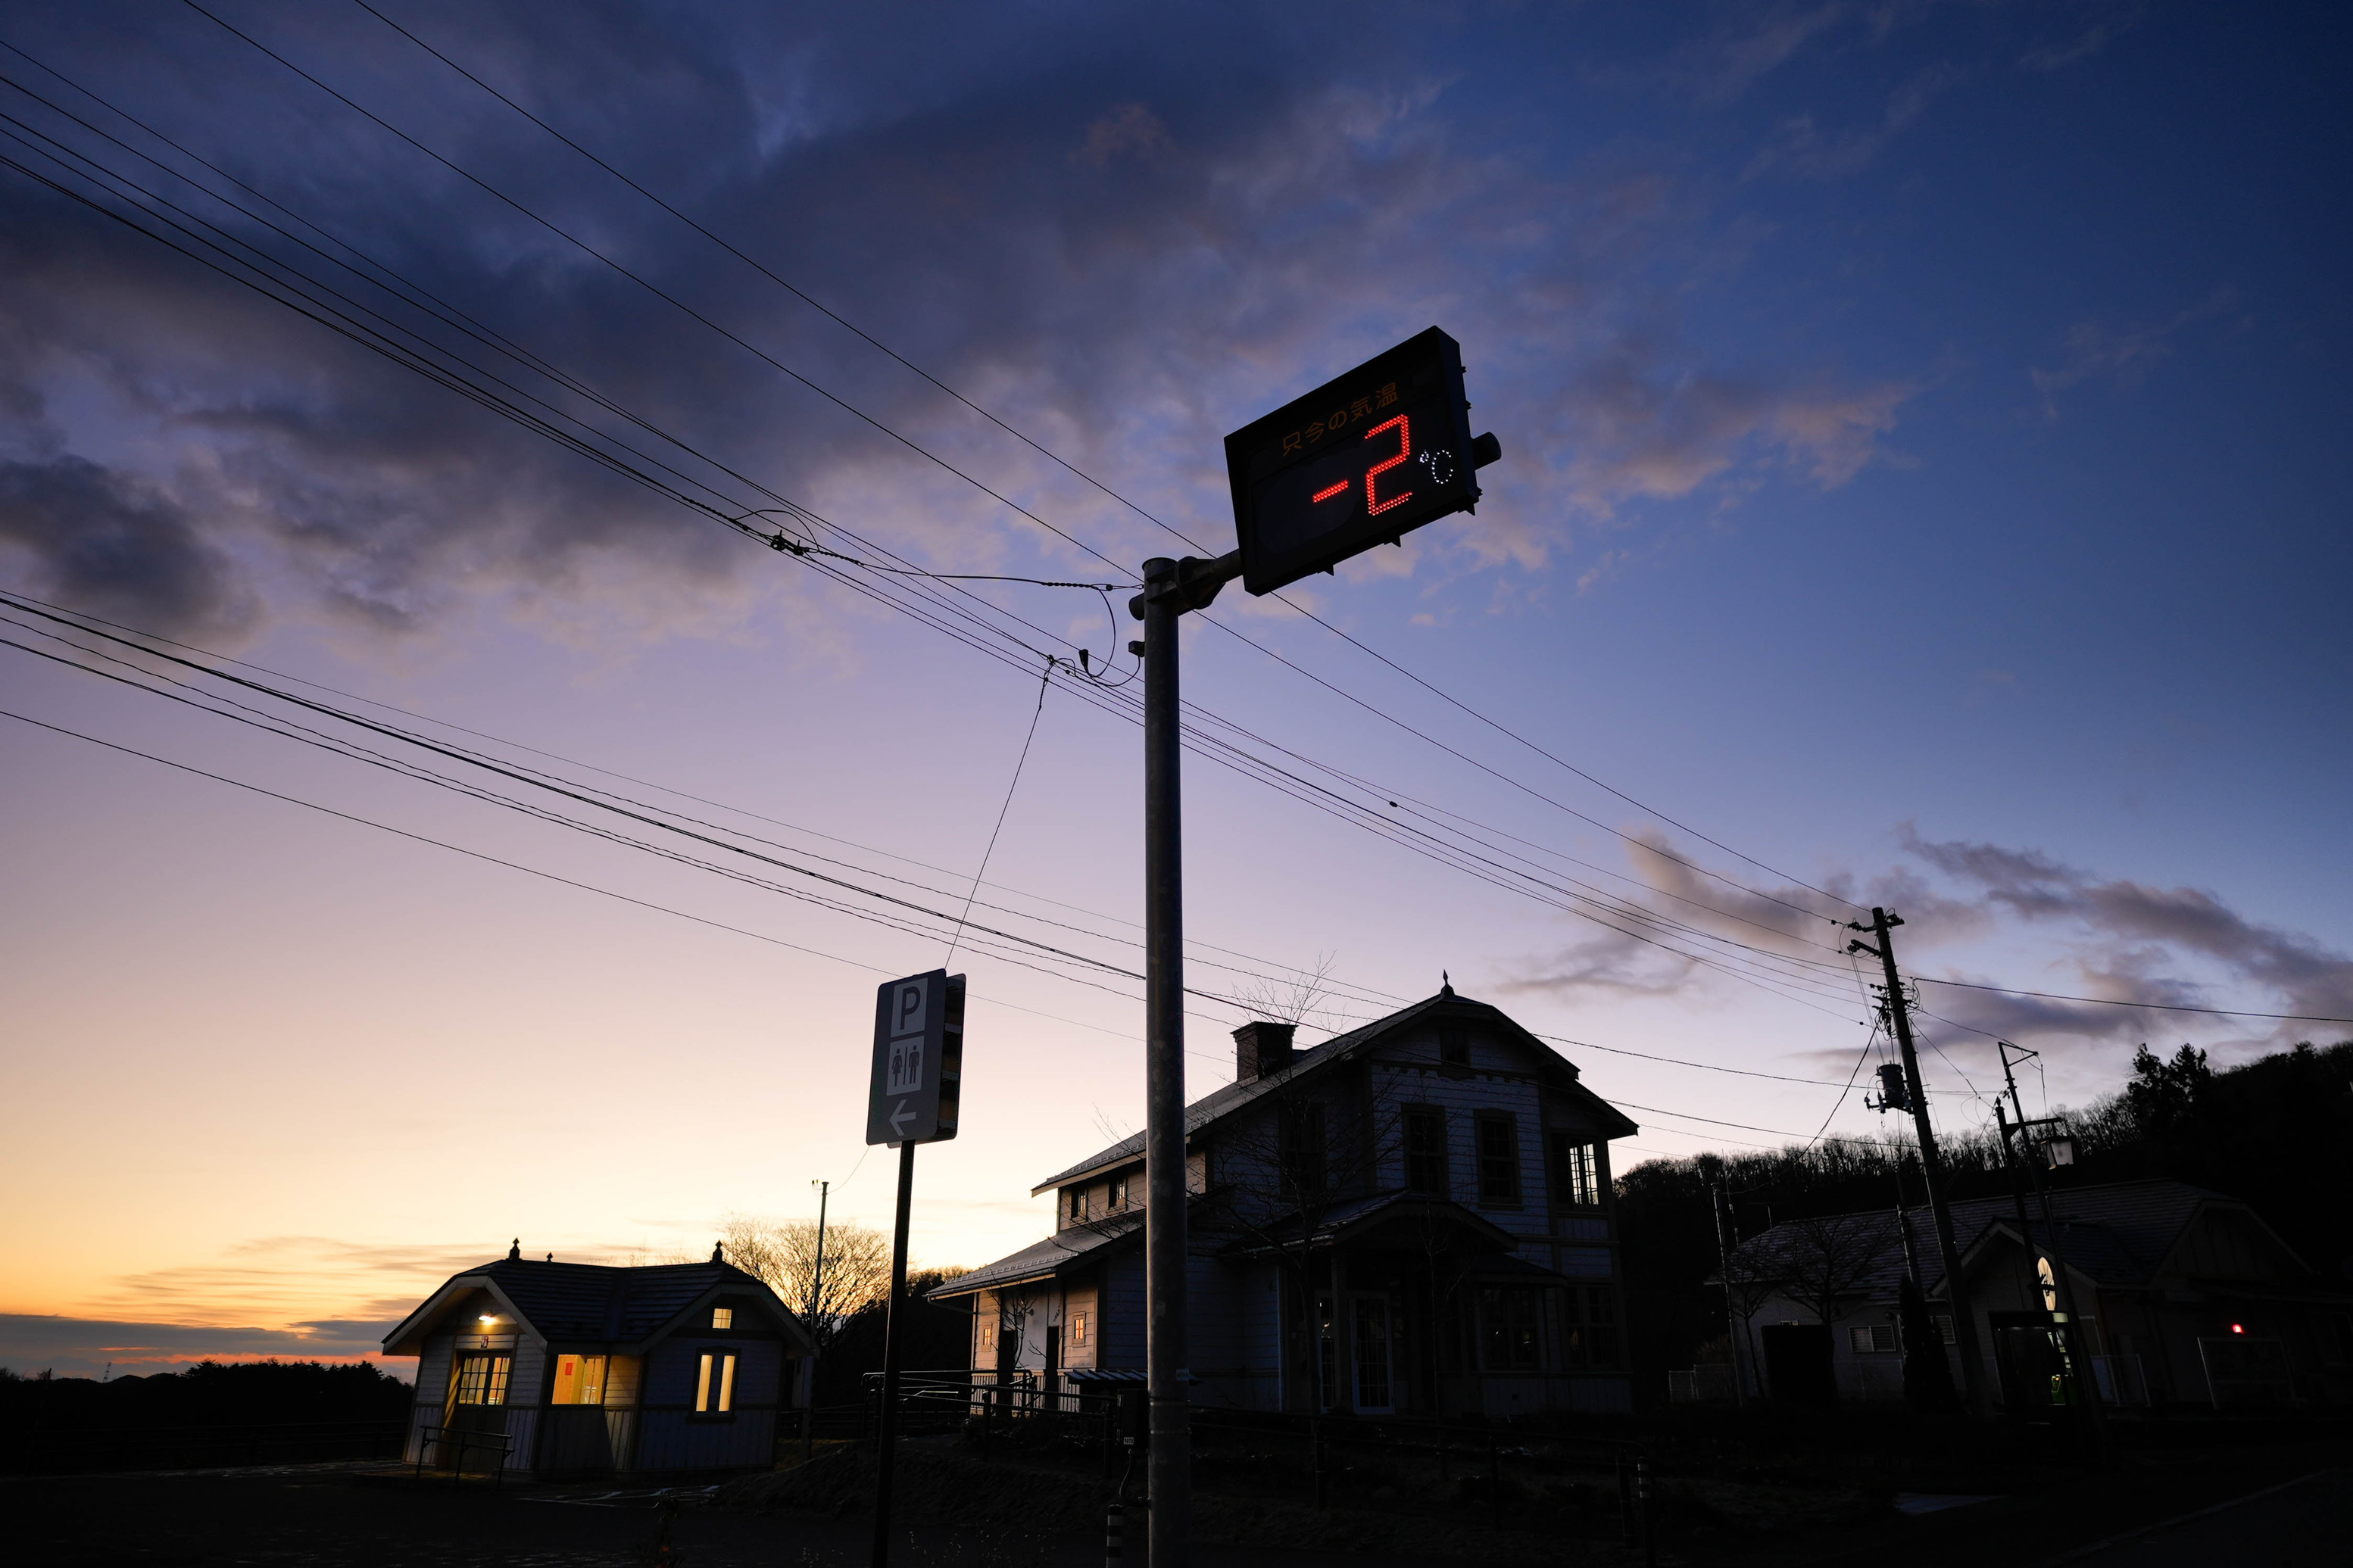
x=1043, y=1259
x=603, y=1304
x=1222, y=1102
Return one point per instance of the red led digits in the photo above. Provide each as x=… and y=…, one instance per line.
x=1374, y=505
x=1331, y=490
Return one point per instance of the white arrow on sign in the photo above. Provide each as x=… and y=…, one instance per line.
x=899, y=1119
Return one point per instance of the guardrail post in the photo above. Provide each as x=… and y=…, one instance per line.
x=1114, y=1531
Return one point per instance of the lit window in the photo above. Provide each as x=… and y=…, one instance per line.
x=482, y=1379
x=1873, y=1339
x=714, y=1385
x=1078, y=1327
x=723, y=1317
x=1574, y=1173
x=579, y=1379
x=1499, y=1158
x=987, y=1336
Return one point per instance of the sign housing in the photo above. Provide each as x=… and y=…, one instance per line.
x=918, y=1059
x=1364, y=460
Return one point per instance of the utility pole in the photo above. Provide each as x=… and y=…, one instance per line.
x=816, y=1306
x=2083, y=1375
x=1932, y=1168
x=1170, y=588
x=1732, y=1321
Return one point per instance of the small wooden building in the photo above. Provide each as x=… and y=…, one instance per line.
x=585, y=1369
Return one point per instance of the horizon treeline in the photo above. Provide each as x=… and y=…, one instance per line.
x=208, y=1393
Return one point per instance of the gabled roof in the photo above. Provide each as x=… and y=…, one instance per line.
x=591, y=1301
x=1043, y=1259
x=1223, y=1102
x=2116, y=1235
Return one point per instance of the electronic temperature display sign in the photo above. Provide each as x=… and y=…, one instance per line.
x=1361, y=460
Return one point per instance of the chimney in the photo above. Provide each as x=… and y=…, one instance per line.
x=1260, y=1049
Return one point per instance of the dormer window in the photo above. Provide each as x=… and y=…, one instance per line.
x=1454, y=1047
x=723, y=1317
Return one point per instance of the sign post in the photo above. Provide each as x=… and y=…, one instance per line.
x=917, y=1079
x=1362, y=461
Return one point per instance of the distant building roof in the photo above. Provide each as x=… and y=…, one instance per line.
x=1043, y=1258
x=2116, y=1235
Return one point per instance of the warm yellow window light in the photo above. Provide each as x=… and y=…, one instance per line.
x=723, y=1317
x=711, y=1400
x=579, y=1379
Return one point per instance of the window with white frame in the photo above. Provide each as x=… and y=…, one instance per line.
x=1873, y=1339
x=1576, y=1182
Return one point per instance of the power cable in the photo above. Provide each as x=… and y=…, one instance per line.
x=1018, y=762
x=426, y=775
x=1072, y=469
x=1253, y=765
x=529, y=870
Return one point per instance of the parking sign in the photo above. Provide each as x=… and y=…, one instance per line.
x=918, y=1059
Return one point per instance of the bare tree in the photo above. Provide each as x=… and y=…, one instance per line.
x=1821, y=1259
x=783, y=1255
x=1295, y=999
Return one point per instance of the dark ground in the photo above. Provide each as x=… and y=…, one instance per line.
x=2276, y=1501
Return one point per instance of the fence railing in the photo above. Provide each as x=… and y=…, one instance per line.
x=448, y=1448
x=985, y=1405
x=70, y=1450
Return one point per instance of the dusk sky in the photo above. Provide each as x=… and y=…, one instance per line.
x=1925, y=481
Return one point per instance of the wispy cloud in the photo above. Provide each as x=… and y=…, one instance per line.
x=1800, y=149
x=2129, y=355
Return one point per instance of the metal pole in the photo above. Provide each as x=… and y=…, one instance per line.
x=1932, y=1169
x=816, y=1303
x=894, y=1328
x=2086, y=1376
x=1169, y=1459
x=1731, y=1320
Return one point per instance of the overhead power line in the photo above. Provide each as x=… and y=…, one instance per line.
x=1047, y=452
x=1739, y=966
x=428, y=776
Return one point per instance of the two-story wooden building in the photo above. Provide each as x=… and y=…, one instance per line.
x=1413, y=1216
x=586, y=1369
